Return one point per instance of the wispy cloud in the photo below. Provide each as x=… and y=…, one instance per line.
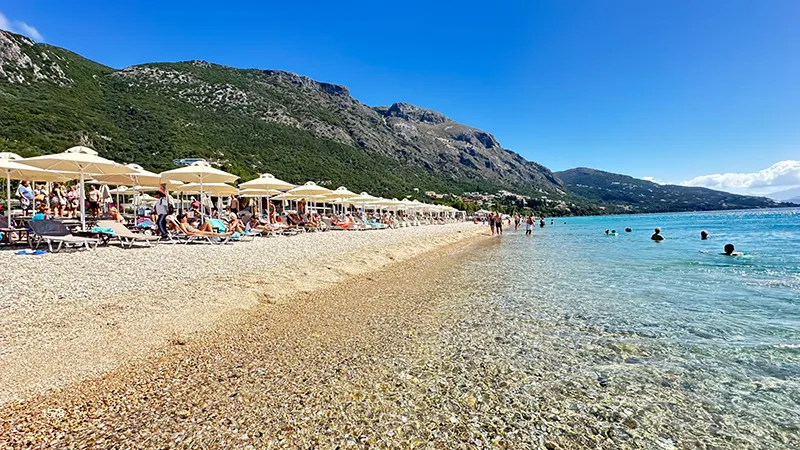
x=18, y=26
x=653, y=180
x=779, y=175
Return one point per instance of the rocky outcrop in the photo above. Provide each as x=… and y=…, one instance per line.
x=23, y=61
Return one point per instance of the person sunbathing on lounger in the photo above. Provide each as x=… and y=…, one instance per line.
x=203, y=230
x=233, y=222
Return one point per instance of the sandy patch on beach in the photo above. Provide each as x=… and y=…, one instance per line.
x=66, y=317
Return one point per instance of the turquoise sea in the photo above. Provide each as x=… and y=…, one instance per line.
x=711, y=343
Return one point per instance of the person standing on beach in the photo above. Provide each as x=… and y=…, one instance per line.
x=498, y=224
x=94, y=200
x=491, y=222
x=529, y=225
x=25, y=197
x=162, y=209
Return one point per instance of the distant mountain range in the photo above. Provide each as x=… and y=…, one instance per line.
x=788, y=195
x=621, y=193
x=251, y=121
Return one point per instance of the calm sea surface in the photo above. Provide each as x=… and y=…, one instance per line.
x=717, y=331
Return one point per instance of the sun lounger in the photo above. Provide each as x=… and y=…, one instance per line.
x=178, y=233
x=56, y=233
x=7, y=228
x=125, y=236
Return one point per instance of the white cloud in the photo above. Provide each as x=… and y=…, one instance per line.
x=29, y=31
x=20, y=27
x=779, y=175
x=5, y=24
x=653, y=180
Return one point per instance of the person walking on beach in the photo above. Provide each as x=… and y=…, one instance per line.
x=498, y=224
x=491, y=222
x=529, y=225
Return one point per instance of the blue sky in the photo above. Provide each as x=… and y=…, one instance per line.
x=669, y=90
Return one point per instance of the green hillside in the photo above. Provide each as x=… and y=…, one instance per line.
x=621, y=193
x=250, y=121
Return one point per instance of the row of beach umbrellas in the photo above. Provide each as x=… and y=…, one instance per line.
x=78, y=163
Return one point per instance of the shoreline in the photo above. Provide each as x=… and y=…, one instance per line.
x=58, y=330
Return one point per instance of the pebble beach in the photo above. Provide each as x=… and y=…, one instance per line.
x=68, y=316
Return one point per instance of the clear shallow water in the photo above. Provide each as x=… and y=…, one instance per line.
x=717, y=331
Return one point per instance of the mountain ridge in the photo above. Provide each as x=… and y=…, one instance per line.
x=622, y=193
x=263, y=108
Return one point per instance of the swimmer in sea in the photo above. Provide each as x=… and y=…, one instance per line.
x=628, y=230
x=606, y=232
x=657, y=235
x=704, y=235
x=730, y=251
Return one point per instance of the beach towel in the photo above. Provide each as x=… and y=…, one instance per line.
x=217, y=225
x=103, y=230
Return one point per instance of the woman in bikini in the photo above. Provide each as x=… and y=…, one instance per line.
x=203, y=230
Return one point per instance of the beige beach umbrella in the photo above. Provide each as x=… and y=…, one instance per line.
x=309, y=189
x=81, y=160
x=363, y=199
x=340, y=194
x=136, y=176
x=258, y=192
x=215, y=189
x=267, y=181
x=11, y=169
x=287, y=196
x=145, y=198
x=9, y=155
x=201, y=173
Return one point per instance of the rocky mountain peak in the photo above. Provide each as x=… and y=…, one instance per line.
x=414, y=113
x=308, y=83
x=23, y=61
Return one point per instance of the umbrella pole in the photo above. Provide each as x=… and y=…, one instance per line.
x=202, y=203
x=83, y=202
x=8, y=197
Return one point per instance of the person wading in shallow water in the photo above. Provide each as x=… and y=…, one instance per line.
x=516, y=222
x=498, y=224
x=529, y=225
x=491, y=222
x=730, y=250
x=657, y=235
